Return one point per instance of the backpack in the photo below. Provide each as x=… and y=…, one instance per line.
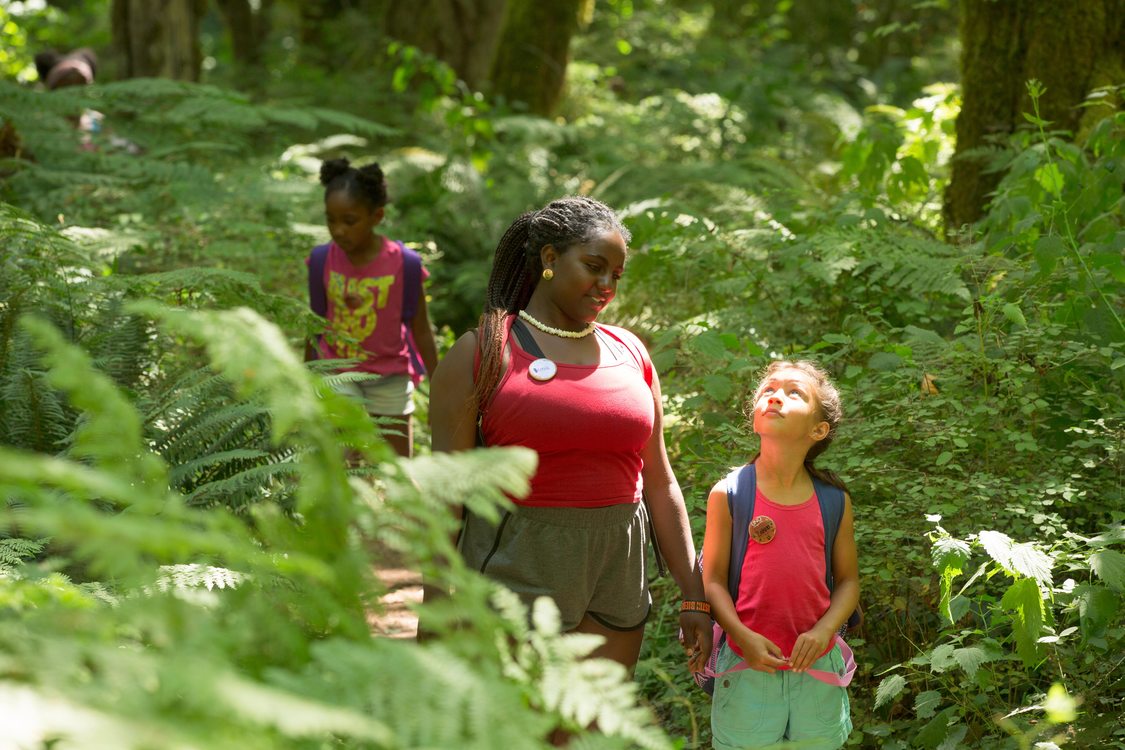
x=741, y=486
x=412, y=287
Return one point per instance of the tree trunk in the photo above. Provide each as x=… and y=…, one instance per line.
x=1071, y=47
x=158, y=38
x=462, y=33
x=534, y=50
x=248, y=29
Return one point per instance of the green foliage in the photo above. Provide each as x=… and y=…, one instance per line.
x=194, y=592
x=784, y=201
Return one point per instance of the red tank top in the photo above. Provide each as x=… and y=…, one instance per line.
x=782, y=592
x=588, y=424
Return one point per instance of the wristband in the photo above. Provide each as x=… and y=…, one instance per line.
x=692, y=605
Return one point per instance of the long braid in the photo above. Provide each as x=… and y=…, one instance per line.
x=517, y=268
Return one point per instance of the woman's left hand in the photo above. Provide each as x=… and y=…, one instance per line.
x=697, y=630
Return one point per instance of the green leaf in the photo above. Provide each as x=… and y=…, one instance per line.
x=836, y=338
x=884, y=361
x=889, y=688
x=925, y=704
x=710, y=344
x=1109, y=565
x=1028, y=560
x=944, y=458
x=970, y=658
x=1013, y=313
x=1097, y=608
x=941, y=658
x=936, y=730
x=1050, y=178
x=718, y=387
x=998, y=546
x=1025, y=603
x=949, y=556
x=1047, y=251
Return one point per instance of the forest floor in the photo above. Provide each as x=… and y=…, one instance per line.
x=397, y=619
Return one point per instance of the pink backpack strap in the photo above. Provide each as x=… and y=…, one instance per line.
x=841, y=679
x=844, y=677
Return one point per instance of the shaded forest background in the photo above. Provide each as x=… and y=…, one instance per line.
x=924, y=196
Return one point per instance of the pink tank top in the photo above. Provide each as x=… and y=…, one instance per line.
x=589, y=424
x=782, y=592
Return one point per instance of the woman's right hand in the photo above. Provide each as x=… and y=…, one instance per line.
x=759, y=652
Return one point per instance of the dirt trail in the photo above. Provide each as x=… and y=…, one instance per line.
x=404, y=587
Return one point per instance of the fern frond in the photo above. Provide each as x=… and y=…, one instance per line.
x=14, y=552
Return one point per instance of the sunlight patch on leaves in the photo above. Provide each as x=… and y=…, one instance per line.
x=1110, y=567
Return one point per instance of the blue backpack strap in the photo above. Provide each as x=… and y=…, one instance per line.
x=411, y=291
x=318, y=298
x=831, y=500
x=742, y=488
x=411, y=282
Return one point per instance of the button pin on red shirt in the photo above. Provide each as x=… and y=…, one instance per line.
x=762, y=529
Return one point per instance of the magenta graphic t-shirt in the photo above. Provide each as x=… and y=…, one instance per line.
x=365, y=305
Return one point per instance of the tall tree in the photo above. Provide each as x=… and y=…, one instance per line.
x=1071, y=47
x=534, y=50
x=462, y=33
x=158, y=38
x=248, y=28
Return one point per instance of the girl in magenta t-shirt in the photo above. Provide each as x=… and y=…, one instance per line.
x=785, y=620
x=364, y=286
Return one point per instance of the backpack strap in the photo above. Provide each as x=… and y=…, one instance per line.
x=318, y=297
x=411, y=282
x=831, y=501
x=742, y=489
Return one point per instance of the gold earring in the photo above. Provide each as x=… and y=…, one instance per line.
x=548, y=274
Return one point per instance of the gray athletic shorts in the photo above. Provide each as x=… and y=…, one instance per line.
x=588, y=560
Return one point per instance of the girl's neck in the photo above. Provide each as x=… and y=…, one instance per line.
x=361, y=256
x=782, y=467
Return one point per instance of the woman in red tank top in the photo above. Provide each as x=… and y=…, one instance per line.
x=540, y=372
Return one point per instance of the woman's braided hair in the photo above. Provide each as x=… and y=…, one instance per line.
x=517, y=268
x=828, y=406
x=366, y=184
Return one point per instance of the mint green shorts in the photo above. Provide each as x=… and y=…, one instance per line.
x=753, y=709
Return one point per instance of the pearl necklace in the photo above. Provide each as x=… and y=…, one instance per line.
x=557, y=331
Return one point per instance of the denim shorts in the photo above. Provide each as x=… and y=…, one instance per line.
x=588, y=560
x=753, y=709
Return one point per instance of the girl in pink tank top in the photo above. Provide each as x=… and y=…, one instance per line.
x=781, y=629
x=540, y=372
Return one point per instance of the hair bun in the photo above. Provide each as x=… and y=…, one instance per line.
x=333, y=168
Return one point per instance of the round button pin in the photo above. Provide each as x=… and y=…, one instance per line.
x=762, y=529
x=542, y=369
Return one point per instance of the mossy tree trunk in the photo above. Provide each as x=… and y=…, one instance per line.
x=462, y=33
x=1071, y=47
x=157, y=38
x=530, y=65
x=247, y=27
